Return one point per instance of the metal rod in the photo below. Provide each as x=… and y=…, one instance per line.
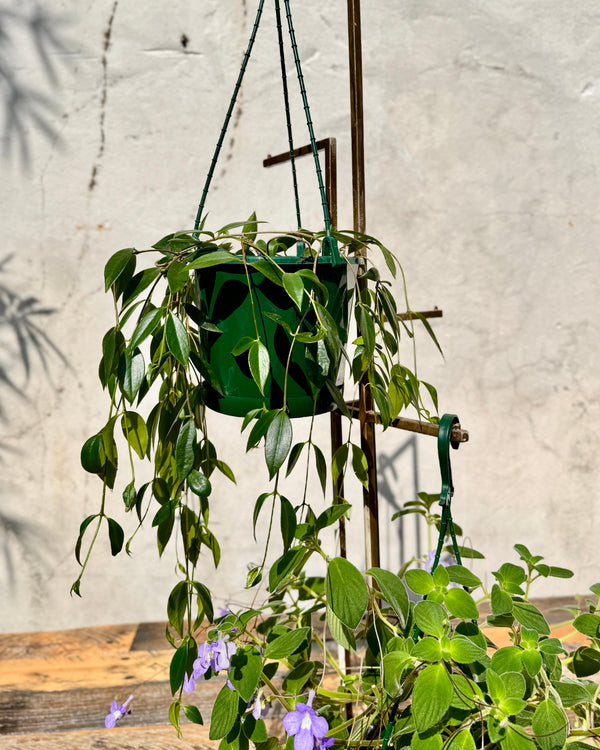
x=367, y=429
x=329, y=146
x=412, y=425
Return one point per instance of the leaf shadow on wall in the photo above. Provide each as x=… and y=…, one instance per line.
x=26, y=350
x=402, y=536
x=26, y=107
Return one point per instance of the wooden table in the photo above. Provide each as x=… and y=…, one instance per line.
x=57, y=687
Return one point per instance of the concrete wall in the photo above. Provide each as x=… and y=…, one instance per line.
x=482, y=148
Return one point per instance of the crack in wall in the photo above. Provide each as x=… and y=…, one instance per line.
x=103, y=97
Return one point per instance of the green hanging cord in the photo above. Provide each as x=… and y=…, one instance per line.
x=229, y=113
x=329, y=242
x=288, y=120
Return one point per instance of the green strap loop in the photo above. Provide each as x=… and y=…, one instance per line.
x=447, y=424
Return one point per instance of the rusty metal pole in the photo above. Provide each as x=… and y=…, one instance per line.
x=367, y=429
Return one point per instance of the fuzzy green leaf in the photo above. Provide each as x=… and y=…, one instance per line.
x=432, y=695
x=347, y=593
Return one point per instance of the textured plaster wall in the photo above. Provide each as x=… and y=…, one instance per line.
x=482, y=152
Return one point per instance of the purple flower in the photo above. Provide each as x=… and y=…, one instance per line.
x=117, y=712
x=306, y=727
x=215, y=655
x=189, y=684
x=259, y=707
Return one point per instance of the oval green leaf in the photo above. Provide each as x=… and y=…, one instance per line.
x=347, y=592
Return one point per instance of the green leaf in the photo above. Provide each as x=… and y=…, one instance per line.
x=185, y=448
x=285, y=645
x=432, y=695
x=419, y=581
x=284, y=566
x=224, y=713
x=360, y=465
x=178, y=666
x=366, y=329
x=427, y=649
x=532, y=661
x=287, y=522
x=174, y=710
x=259, y=363
x=507, y=659
x=294, y=456
x=440, y=576
x=341, y=634
x=177, y=276
x=588, y=624
x=298, y=677
x=394, y=666
x=338, y=462
x=278, y=441
x=514, y=685
x=467, y=693
x=332, y=514
x=214, y=258
x=135, y=431
x=462, y=740
x=93, y=458
x=461, y=604
x=429, y=742
x=321, y=467
x=132, y=370
x=198, y=483
x=573, y=692
x=431, y=618
x=347, y=593
x=145, y=327
x=246, y=669
x=192, y=714
x=586, y=661
x=465, y=651
x=550, y=726
x=242, y=346
x=176, y=606
x=84, y=524
x=177, y=339
x=530, y=617
x=130, y=496
x=501, y=601
x=116, y=536
x=393, y=592
x=135, y=286
x=115, y=266
x=204, y=601
x=463, y=576
x=293, y=285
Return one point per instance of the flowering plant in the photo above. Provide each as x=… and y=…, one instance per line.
x=419, y=670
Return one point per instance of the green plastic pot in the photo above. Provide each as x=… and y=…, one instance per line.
x=224, y=301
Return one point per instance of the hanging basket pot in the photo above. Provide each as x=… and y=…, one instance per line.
x=266, y=345
x=245, y=305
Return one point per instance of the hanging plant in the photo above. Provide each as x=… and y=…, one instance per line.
x=255, y=323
